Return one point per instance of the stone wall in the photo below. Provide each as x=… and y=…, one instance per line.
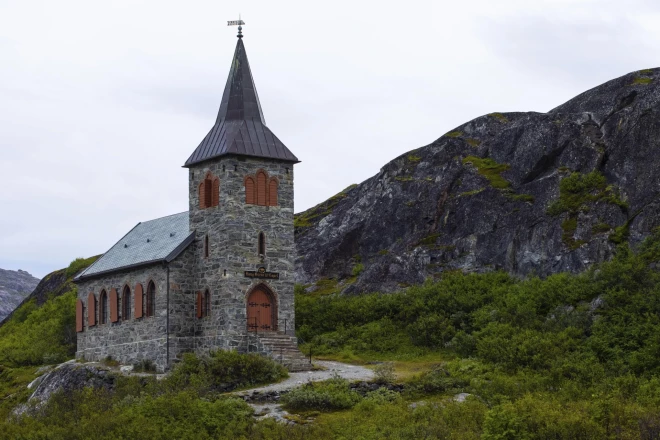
x=233, y=228
x=136, y=339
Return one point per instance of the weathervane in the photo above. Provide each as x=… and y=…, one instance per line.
x=238, y=23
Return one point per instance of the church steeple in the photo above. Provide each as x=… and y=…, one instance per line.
x=240, y=99
x=240, y=127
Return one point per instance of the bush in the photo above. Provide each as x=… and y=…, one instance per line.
x=40, y=335
x=385, y=373
x=78, y=265
x=438, y=380
x=224, y=370
x=332, y=394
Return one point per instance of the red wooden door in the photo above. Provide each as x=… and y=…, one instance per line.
x=260, y=311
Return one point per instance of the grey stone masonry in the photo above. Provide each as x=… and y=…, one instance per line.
x=127, y=340
x=233, y=229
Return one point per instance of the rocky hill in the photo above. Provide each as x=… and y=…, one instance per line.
x=14, y=287
x=528, y=193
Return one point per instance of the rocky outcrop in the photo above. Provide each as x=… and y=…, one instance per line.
x=67, y=377
x=14, y=287
x=528, y=193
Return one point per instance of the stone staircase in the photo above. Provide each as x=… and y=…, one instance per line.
x=283, y=348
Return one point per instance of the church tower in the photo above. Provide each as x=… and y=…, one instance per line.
x=241, y=211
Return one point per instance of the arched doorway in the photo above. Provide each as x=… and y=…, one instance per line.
x=261, y=310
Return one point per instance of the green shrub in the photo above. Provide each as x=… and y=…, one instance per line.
x=385, y=373
x=438, y=380
x=332, y=394
x=78, y=265
x=224, y=370
x=40, y=335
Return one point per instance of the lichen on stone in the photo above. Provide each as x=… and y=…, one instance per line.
x=499, y=116
x=490, y=169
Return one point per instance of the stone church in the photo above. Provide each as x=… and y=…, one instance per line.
x=219, y=276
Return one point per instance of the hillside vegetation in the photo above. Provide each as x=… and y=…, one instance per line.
x=568, y=356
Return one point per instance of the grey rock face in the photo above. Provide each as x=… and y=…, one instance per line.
x=66, y=377
x=442, y=207
x=14, y=287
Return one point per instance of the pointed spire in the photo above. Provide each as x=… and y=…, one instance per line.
x=240, y=127
x=240, y=99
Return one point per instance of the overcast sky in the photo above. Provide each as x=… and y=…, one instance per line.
x=102, y=102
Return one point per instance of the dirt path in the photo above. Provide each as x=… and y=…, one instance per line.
x=349, y=372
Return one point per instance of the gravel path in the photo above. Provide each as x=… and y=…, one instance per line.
x=349, y=372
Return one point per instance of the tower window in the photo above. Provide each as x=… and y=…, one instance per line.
x=262, y=243
x=206, y=246
x=261, y=190
x=209, y=192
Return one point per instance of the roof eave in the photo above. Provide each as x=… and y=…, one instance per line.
x=277, y=159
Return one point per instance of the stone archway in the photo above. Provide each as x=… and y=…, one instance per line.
x=261, y=310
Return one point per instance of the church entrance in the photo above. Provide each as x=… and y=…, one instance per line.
x=261, y=310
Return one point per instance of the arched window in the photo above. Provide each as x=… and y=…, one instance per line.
x=126, y=304
x=272, y=192
x=207, y=302
x=91, y=310
x=261, y=188
x=250, y=190
x=103, y=309
x=151, y=298
x=206, y=246
x=209, y=192
x=262, y=243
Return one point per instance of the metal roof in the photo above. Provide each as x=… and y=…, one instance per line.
x=153, y=241
x=240, y=127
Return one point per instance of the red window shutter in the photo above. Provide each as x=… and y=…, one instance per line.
x=79, y=316
x=216, y=192
x=202, y=196
x=138, y=301
x=208, y=193
x=249, y=191
x=114, y=306
x=199, y=304
x=91, y=310
x=261, y=188
x=272, y=193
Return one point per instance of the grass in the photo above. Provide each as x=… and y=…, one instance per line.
x=313, y=215
x=413, y=158
x=474, y=192
x=642, y=81
x=491, y=170
x=454, y=134
x=500, y=117
x=13, y=387
x=576, y=193
x=523, y=197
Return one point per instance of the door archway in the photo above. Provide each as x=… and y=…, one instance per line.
x=261, y=310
